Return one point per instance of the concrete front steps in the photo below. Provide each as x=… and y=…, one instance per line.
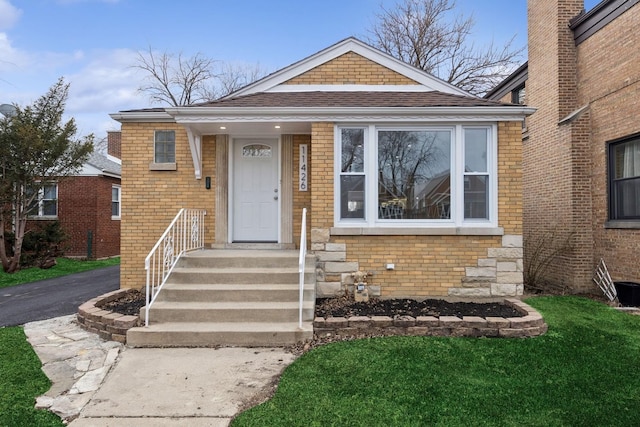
x=231, y=297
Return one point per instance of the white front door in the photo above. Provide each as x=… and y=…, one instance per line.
x=255, y=190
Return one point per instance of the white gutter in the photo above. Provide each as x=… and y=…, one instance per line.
x=236, y=114
x=142, y=116
x=395, y=114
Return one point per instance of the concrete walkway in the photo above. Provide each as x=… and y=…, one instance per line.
x=102, y=383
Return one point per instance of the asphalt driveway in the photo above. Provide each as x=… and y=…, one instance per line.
x=56, y=297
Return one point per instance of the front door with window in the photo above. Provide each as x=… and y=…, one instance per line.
x=255, y=190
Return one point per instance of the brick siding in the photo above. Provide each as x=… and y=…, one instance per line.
x=609, y=82
x=565, y=163
x=151, y=199
x=114, y=144
x=351, y=68
x=84, y=205
x=426, y=265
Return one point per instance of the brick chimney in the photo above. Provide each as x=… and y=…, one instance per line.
x=552, y=57
x=556, y=158
x=114, y=139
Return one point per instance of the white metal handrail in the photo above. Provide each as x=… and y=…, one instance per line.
x=184, y=234
x=302, y=261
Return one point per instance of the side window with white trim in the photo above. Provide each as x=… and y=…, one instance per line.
x=115, y=202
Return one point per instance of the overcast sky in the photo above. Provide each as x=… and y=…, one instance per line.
x=93, y=43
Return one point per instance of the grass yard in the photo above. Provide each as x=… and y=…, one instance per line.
x=21, y=381
x=65, y=266
x=584, y=372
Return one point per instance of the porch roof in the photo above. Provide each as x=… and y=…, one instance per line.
x=276, y=113
x=304, y=107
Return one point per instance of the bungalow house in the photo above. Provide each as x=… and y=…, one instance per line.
x=403, y=176
x=581, y=149
x=87, y=205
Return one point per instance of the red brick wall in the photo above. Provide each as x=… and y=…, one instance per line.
x=114, y=144
x=84, y=204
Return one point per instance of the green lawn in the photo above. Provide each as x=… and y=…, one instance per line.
x=65, y=266
x=584, y=372
x=21, y=381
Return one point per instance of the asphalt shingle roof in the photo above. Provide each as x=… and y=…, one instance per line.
x=356, y=99
x=101, y=162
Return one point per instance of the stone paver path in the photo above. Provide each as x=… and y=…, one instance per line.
x=76, y=362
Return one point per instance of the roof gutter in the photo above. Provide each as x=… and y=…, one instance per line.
x=207, y=114
x=141, y=116
x=239, y=114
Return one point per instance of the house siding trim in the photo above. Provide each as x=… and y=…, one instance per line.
x=587, y=24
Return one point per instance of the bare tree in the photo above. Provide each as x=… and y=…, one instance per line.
x=173, y=79
x=428, y=35
x=235, y=76
x=177, y=81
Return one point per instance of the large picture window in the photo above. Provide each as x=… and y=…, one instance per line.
x=414, y=174
x=624, y=179
x=395, y=176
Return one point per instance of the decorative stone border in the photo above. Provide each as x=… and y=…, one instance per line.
x=113, y=326
x=530, y=325
x=108, y=325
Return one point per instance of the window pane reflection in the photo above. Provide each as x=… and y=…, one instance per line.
x=352, y=196
x=475, y=150
x=414, y=180
x=352, y=150
x=476, y=197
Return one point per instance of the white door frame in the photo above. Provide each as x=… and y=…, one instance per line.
x=233, y=140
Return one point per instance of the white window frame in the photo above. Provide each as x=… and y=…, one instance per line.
x=119, y=201
x=41, y=200
x=339, y=174
x=457, y=220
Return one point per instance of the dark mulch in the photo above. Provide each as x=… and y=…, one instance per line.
x=129, y=304
x=346, y=307
x=133, y=301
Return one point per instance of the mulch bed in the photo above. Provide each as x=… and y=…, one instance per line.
x=346, y=307
x=132, y=302
x=128, y=304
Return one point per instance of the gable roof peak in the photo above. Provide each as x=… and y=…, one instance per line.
x=349, y=44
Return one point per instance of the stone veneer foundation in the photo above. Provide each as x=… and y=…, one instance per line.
x=499, y=274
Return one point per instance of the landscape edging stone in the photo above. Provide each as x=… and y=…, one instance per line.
x=530, y=325
x=108, y=325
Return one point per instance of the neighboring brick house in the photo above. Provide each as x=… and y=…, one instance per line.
x=87, y=205
x=581, y=149
x=394, y=165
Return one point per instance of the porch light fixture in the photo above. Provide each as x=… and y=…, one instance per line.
x=277, y=126
x=223, y=127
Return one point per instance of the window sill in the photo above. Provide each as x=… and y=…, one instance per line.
x=163, y=166
x=417, y=231
x=43, y=218
x=115, y=218
x=622, y=224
